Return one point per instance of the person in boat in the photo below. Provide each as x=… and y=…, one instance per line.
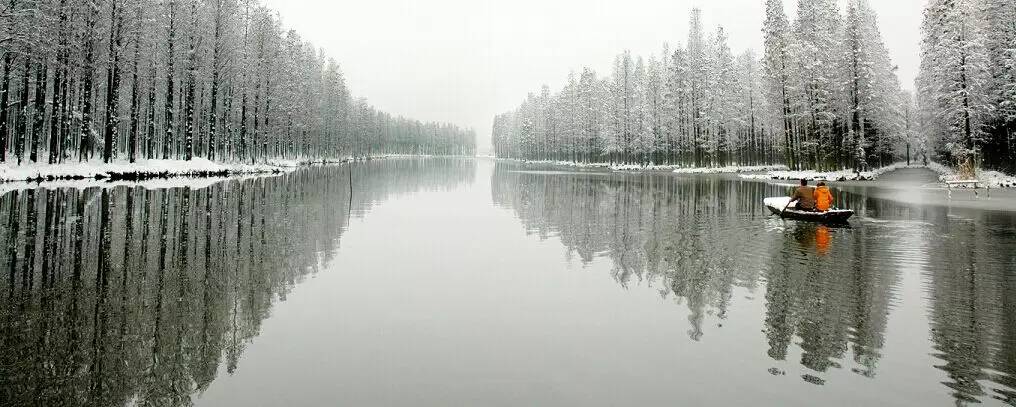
x=823, y=198
x=805, y=197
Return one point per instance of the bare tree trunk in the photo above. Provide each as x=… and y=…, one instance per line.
x=268, y=105
x=254, y=136
x=192, y=67
x=113, y=84
x=5, y=88
x=241, y=152
x=66, y=141
x=150, y=113
x=132, y=138
x=21, y=130
x=167, y=142
x=59, y=82
x=85, y=144
x=39, y=109
x=213, y=100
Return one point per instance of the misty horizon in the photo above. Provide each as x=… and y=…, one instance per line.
x=472, y=60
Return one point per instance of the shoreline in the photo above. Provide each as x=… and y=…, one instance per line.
x=778, y=172
x=673, y=168
x=198, y=172
x=121, y=170
x=919, y=186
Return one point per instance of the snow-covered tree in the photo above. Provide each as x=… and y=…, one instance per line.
x=1000, y=148
x=816, y=63
x=873, y=96
x=778, y=70
x=954, y=78
x=825, y=94
x=218, y=79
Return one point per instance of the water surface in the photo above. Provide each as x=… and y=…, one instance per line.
x=473, y=282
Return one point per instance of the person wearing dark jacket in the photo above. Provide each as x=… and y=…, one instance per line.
x=805, y=196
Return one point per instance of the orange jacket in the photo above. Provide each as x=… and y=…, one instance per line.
x=823, y=199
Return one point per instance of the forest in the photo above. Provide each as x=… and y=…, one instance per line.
x=177, y=79
x=967, y=84
x=824, y=94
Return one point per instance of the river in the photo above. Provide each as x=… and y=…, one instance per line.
x=436, y=282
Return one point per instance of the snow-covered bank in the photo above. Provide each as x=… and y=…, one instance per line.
x=842, y=175
x=154, y=174
x=193, y=183
x=730, y=169
x=990, y=179
x=143, y=169
x=150, y=169
x=679, y=169
x=197, y=173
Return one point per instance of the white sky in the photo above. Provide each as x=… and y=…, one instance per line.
x=463, y=61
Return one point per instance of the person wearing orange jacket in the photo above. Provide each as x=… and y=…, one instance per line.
x=823, y=198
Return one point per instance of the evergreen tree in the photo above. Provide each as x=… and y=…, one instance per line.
x=778, y=69
x=954, y=78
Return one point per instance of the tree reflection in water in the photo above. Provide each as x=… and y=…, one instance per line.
x=828, y=292
x=126, y=295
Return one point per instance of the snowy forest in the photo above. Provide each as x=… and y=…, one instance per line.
x=967, y=85
x=177, y=79
x=824, y=94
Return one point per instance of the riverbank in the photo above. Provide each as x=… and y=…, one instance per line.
x=843, y=175
x=678, y=169
x=919, y=186
x=989, y=179
x=140, y=170
x=160, y=169
x=193, y=183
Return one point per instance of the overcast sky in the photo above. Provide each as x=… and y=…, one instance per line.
x=463, y=61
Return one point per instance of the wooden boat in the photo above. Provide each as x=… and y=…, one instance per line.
x=777, y=205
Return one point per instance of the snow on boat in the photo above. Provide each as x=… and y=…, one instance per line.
x=777, y=205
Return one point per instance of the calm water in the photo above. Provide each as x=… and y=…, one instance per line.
x=444, y=282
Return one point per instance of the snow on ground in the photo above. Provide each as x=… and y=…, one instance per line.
x=193, y=183
x=196, y=173
x=842, y=175
x=197, y=166
x=990, y=179
x=151, y=184
x=730, y=169
x=680, y=169
x=616, y=167
x=121, y=168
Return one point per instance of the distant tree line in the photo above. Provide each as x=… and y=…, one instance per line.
x=824, y=95
x=967, y=84
x=177, y=79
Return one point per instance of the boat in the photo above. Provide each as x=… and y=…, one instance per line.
x=779, y=206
